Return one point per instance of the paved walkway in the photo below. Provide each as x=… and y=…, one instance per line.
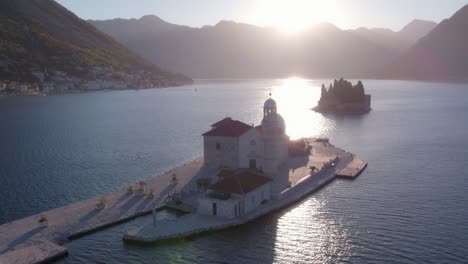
x=24, y=240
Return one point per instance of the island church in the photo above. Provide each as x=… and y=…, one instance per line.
x=252, y=161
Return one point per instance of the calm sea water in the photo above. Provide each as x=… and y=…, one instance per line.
x=409, y=206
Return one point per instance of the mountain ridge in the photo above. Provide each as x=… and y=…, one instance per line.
x=254, y=51
x=439, y=56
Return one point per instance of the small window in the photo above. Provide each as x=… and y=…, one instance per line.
x=253, y=143
x=218, y=146
x=253, y=164
x=215, y=209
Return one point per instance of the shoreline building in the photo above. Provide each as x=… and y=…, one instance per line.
x=252, y=162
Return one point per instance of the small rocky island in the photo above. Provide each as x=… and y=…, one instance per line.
x=344, y=98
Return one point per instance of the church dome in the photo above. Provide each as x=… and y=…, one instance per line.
x=280, y=122
x=270, y=104
x=273, y=123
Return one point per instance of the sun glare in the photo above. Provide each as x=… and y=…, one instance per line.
x=295, y=97
x=293, y=15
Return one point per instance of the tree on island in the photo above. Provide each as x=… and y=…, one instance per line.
x=343, y=91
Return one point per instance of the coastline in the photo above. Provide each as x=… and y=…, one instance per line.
x=33, y=90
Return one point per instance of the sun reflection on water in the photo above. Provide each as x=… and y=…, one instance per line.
x=295, y=98
x=308, y=228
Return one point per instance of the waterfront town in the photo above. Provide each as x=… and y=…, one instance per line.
x=100, y=78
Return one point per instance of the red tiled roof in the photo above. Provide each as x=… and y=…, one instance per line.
x=240, y=182
x=225, y=121
x=228, y=128
x=226, y=172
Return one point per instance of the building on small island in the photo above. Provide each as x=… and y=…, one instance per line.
x=342, y=97
x=248, y=171
x=256, y=159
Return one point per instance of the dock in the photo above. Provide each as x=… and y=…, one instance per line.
x=352, y=170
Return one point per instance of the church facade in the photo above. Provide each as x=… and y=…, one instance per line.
x=252, y=154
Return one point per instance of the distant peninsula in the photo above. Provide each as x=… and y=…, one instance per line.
x=344, y=98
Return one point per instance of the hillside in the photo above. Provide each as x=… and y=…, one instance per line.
x=42, y=42
x=440, y=56
x=124, y=30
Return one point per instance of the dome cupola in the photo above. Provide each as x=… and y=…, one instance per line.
x=269, y=104
x=269, y=107
x=272, y=121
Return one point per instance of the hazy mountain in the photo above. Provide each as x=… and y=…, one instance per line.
x=231, y=50
x=441, y=55
x=415, y=30
x=124, y=30
x=44, y=38
x=398, y=41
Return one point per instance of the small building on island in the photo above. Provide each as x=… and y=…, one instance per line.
x=251, y=160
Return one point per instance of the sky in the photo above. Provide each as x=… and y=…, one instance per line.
x=290, y=15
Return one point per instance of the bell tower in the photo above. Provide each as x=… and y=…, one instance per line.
x=275, y=146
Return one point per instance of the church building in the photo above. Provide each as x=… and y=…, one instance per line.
x=252, y=161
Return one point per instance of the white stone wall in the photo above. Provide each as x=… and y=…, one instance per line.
x=225, y=208
x=226, y=156
x=276, y=155
x=280, y=180
x=244, y=203
x=254, y=198
x=248, y=150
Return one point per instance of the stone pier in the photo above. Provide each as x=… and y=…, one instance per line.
x=28, y=241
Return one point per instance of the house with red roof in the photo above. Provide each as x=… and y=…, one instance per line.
x=236, y=194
